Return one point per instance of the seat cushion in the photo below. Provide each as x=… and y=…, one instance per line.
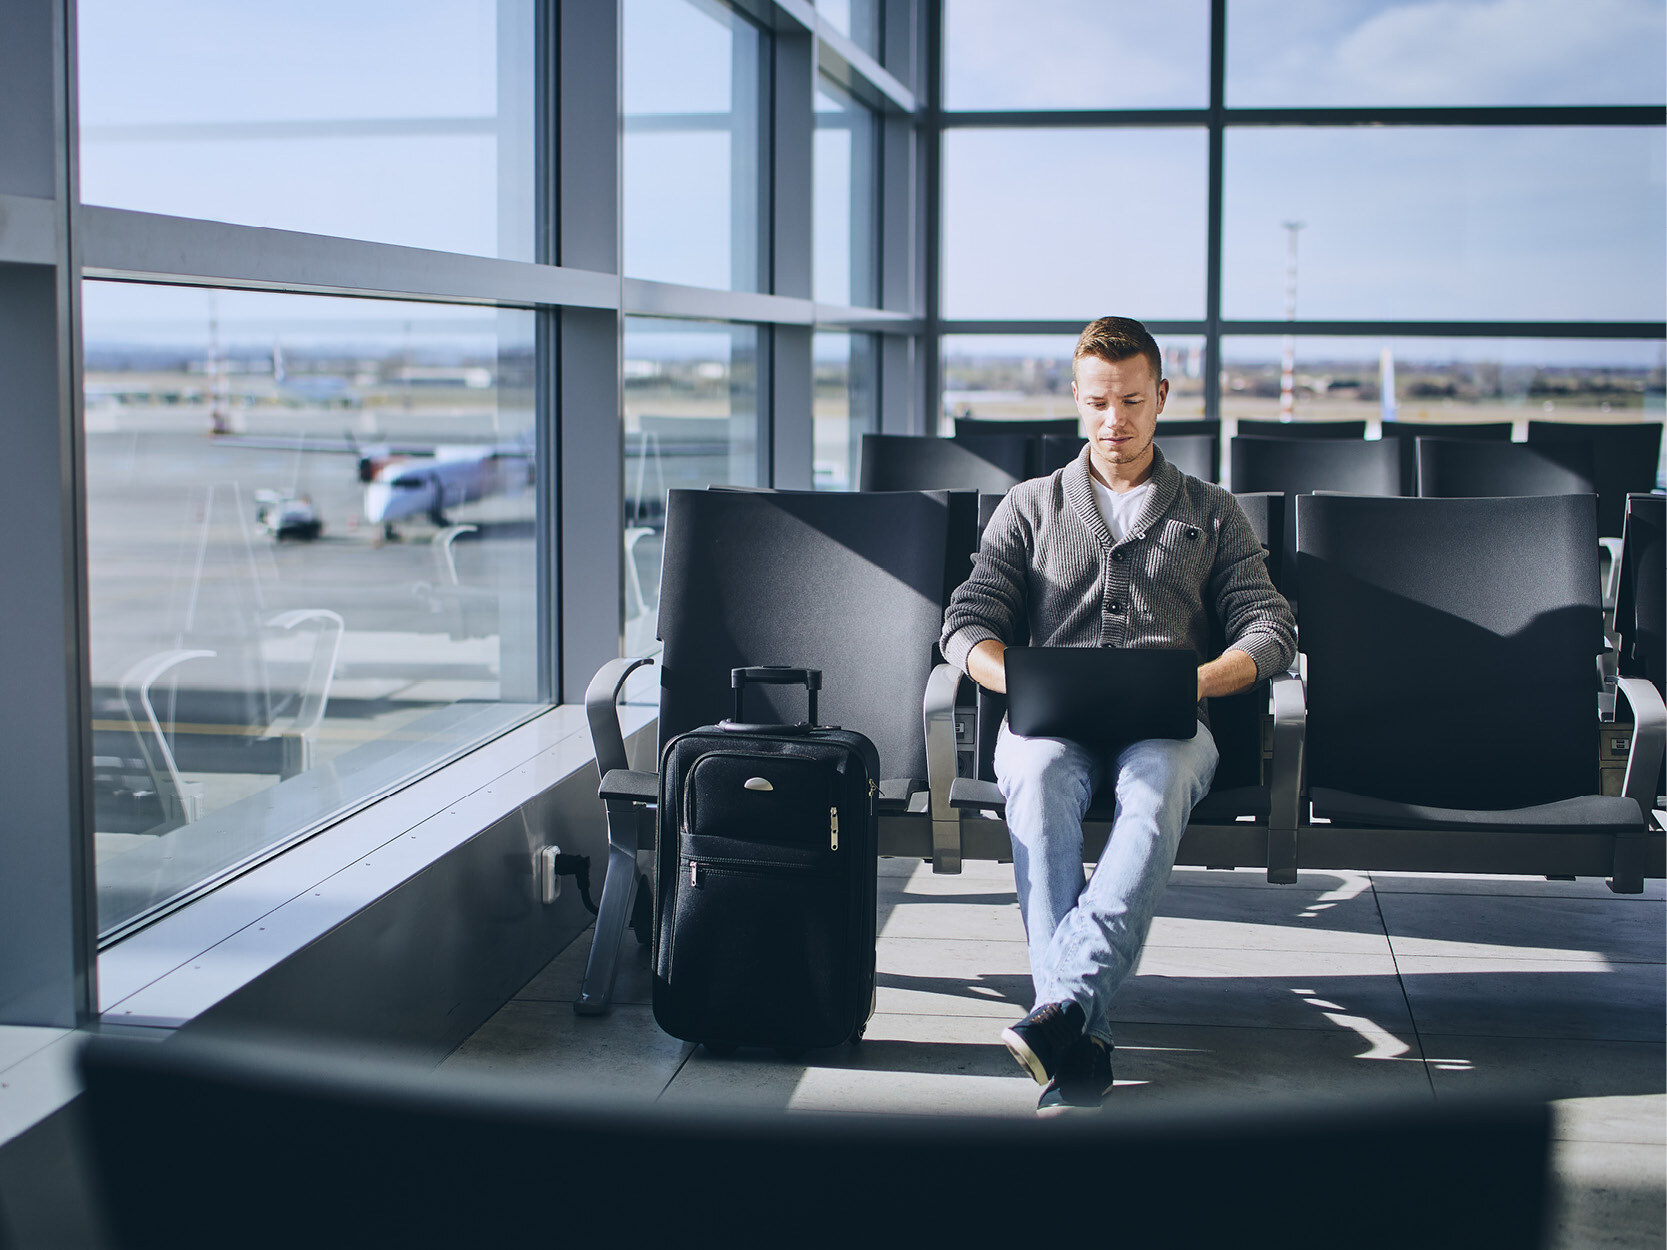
x=1598, y=813
x=1226, y=806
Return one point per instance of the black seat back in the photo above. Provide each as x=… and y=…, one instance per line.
x=1457, y=469
x=850, y=583
x=1196, y=454
x=1486, y=431
x=913, y=462
x=1302, y=429
x=1055, y=451
x=266, y=1146
x=1030, y=429
x=1296, y=466
x=1639, y=600
x=1625, y=459
x=1450, y=646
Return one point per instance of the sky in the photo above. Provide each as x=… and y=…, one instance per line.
x=381, y=119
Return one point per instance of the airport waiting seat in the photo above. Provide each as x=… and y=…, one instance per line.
x=1055, y=451
x=1248, y=819
x=1195, y=454
x=1641, y=600
x=1625, y=459
x=1030, y=429
x=1014, y=453
x=1300, y=429
x=912, y=462
x=851, y=583
x=1486, y=431
x=274, y=1143
x=1298, y=466
x=1428, y=749
x=1459, y=469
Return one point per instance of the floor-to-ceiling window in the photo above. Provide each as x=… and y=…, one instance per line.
x=1447, y=212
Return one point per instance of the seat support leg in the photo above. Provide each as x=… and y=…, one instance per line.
x=613, y=913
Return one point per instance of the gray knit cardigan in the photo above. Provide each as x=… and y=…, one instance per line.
x=1048, y=573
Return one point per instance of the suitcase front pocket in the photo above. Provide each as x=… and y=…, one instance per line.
x=778, y=800
x=756, y=953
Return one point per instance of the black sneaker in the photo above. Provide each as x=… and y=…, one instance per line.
x=1039, y=1041
x=1082, y=1082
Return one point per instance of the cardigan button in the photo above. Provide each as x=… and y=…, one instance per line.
x=1192, y=533
x=1117, y=555
x=1115, y=606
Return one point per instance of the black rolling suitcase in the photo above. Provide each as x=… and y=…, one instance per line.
x=767, y=849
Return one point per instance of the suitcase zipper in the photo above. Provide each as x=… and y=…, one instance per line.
x=833, y=828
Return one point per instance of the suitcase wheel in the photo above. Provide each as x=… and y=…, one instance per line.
x=856, y=1033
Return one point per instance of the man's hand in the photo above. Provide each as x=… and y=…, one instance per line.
x=1229, y=673
x=987, y=665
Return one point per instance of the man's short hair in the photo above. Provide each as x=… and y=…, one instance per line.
x=1118, y=338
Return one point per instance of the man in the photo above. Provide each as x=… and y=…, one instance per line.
x=1117, y=549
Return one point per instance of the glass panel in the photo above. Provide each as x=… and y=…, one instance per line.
x=1443, y=381
x=311, y=554
x=404, y=123
x=847, y=204
x=1464, y=223
x=1415, y=52
x=1058, y=224
x=691, y=420
x=846, y=405
x=694, y=96
x=1076, y=54
x=860, y=21
x=1028, y=376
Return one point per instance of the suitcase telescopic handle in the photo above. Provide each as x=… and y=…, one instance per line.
x=776, y=675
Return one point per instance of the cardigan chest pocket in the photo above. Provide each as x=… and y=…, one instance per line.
x=1180, y=553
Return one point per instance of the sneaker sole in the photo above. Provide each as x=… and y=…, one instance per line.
x=1025, y=1056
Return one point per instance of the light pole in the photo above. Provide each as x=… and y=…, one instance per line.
x=1287, y=365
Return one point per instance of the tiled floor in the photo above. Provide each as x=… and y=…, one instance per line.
x=1343, y=986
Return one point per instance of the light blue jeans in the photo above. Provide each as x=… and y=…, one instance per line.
x=1085, y=938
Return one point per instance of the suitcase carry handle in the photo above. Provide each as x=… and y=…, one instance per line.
x=775, y=675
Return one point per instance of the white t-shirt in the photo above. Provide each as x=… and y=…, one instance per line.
x=1119, y=510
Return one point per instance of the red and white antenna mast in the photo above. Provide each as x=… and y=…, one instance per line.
x=1287, y=363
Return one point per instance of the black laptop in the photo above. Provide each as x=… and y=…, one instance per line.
x=1102, y=696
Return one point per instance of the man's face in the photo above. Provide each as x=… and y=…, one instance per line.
x=1119, y=402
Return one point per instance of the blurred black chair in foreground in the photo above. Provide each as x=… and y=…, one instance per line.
x=261, y=1146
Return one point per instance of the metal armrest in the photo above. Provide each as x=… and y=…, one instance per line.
x=1612, y=585
x=607, y=739
x=1290, y=724
x=939, y=715
x=1649, y=740
x=630, y=785
x=895, y=792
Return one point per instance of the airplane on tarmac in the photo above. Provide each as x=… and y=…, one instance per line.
x=404, y=481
